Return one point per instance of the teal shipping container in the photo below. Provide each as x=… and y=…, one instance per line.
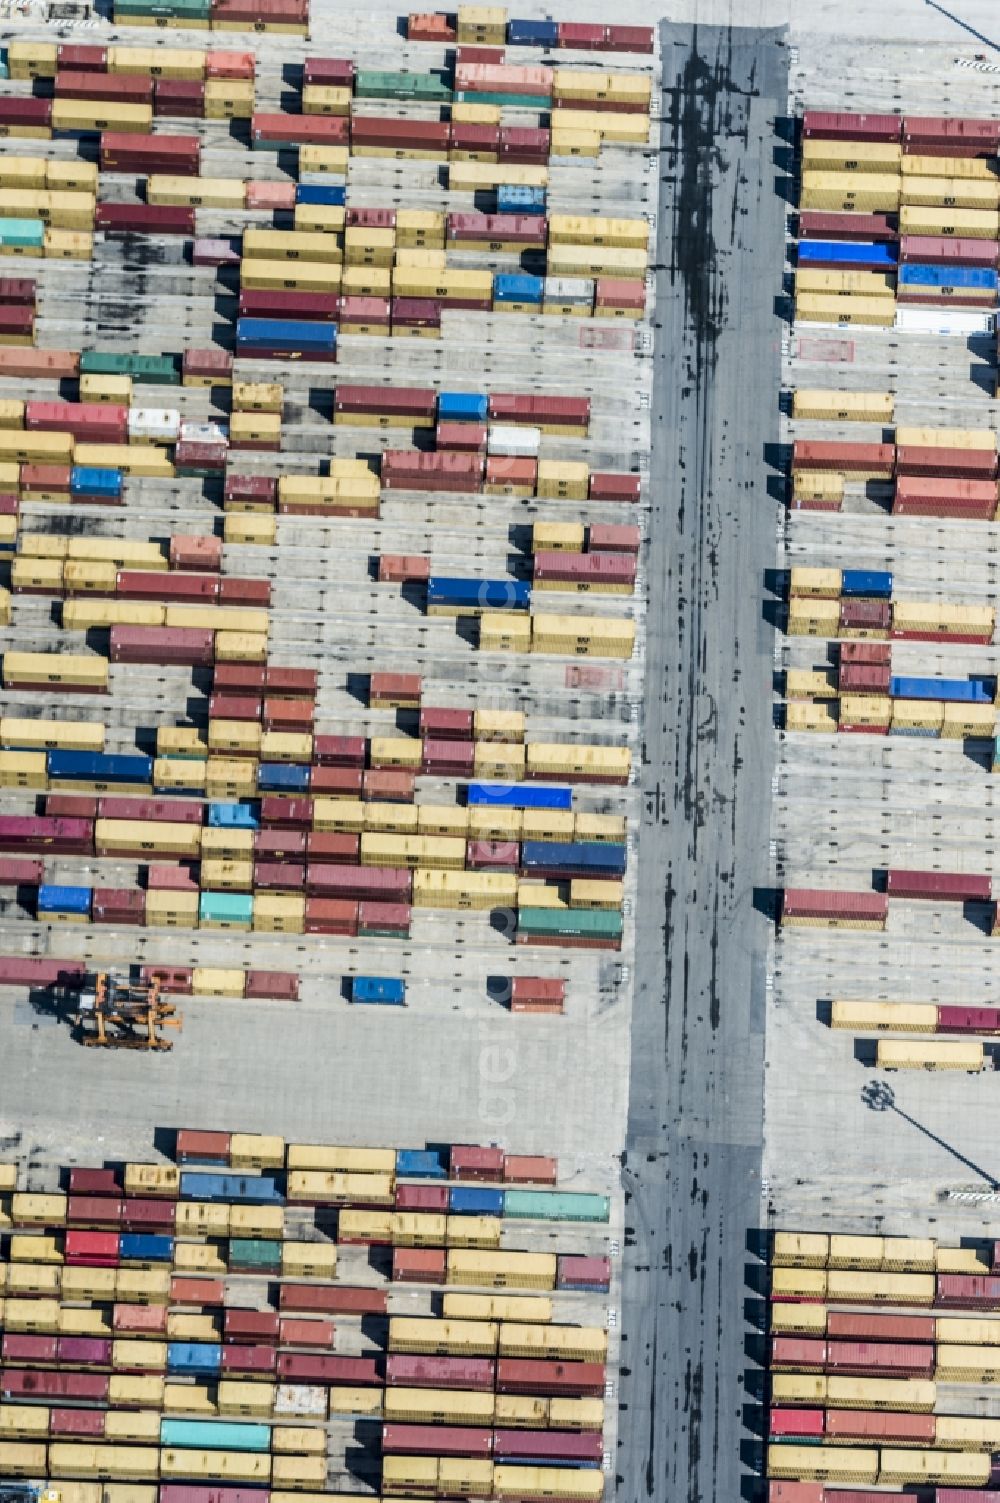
x=515, y=101
x=153, y=370
x=571, y=923
x=372, y=85
x=555, y=1205
x=224, y=908
x=4, y=70
x=215, y=1435
x=22, y=232
x=254, y=1255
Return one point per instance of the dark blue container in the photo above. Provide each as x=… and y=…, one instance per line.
x=517, y=289
x=532, y=34
x=99, y=767
x=389, y=991
x=955, y=690
x=56, y=899
x=286, y=334
x=240, y=1189
x=462, y=407
x=145, y=1247
x=477, y=594
x=475, y=1200
x=520, y=795
x=871, y=584
x=84, y=480
x=419, y=1163
x=588, y=858
x=198, y=1357
x=973, y=278
x=234, y=816
x=283, y=777
x=847, y=253
x=514, y=199
x=313, y=193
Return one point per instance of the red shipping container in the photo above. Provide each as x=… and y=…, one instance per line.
x=279, y=845
x=628, y=38
x=24, y=1348
x=212, y=363
x=865, y=615
x=94, y=1249
x=412, y=469
x=179, y=646
x=603, y=537
x=439, y=1440
x=513, y=407
x=21, y=291
x=259, y=12
x=292, y=682
x=492, y=855
x=119, y=905
x=248, y=1361
x=807, y=902
x=511, y=471
x=144, y=219
x=17, y=320
x=422, y=1198
x=962, y=463
x=214, y=252
x=416, y=312
x=194, y=456
x=859, y=1358
x=278, y=986
x=140, y=1320
x=561, y=1379
x=421, y=1265
x=481, y=138
x=827, y=125
x=279, y=876
x=193, y=1147
x=10, y=506
x=401, y=568
x=937, y=496
x=948, y=250
x=576, y=1272
x=523, y=1169
x=195, y=551
x=234, y=707
x=86, y=1423
x=183, y=811
x=402, y=401
x=250, y=488
x=198, y=589
x=94, y=1210
x=179, y=96
x=84, y=1351
x=498, y=229
x=252, y=592
x=40, y=478
x=122, y=151
x=470, y=438
x=395, y=131
x=94, y=1182
x=797, y=1353
x=863, y=1425
x=175, y=979
x=309, y=130
x=22, y=873
x=18, y=1383
x=811, y=1492
x=541, y=1446
x=240, y=678
x=280, y=196
x=124, y=88
x=864, y=678
x=581, y=35
x=364, y=310
x=446, y=725
x=372, y=219
x=195, y=1292
x=851, y=458
x=167, y=878
x=819, y=224
x=282, y=714
x=469, y=1161
x=393, y=686
x=83, y=59
x=383, y=918
x=64, y=837
x=405, y=1370
x=783, y=1424
x=28, y=111
x=871, y=653
x=390, y=785
x=429, y=27
x=286, y=813
x=381, y=882
x=309, y=1333
x=91, y=422
x=962, y=137
x=340, y=751
x=492, y=56
x=320, y=307
x=944, y=887
x=303, y=1367
x=537, y=988
x=334, y=72
x=585, y=568
x=527, y=144
x=455, y=759
x=968, y=1020
x=230, y=65
x=331, y=1299
x=148, y=1215
x=331, y=845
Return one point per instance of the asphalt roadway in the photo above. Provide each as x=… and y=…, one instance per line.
x=692, y=1169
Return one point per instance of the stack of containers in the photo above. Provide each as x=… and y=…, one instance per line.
x=255, y=422
x=47, y=208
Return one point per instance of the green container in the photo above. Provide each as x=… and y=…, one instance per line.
x=155, y=370
x=199, y=10
x=22, y=232
x=254, y=1255
x=570, y=923
x=555, y=1205
x=540, y=102
x=371, y=85
x=99, y=363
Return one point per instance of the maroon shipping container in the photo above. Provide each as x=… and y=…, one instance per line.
x=524, y=143
x=865, y=615
x=175, y=979
x=492, y=855
x=520, y=229
x=137, y=584
x=248, y=1361
x=584, y=36
x=419, y=1265
x=512, y=407
x=864, y=678
x=797, y=1353
x=94, y=1182
x=25, y=112
x=197, y=1291
x=17, y=320
x=382, y=918
x=24, y=1348
x=854, y=1325
x=395, y=131
x=422, y=1198
x=968, y=1019
x=85, y=1351
x=818, y=224
x=279, y=876
x=286, y=813
x=576, y=1272
x=44, y=477
x=240, y=678
x=126, y=88
x=464, y=55
x=470, y=438
x=340, y=751
x=947, y=250
x=94, y=1210
x=307, y=1367
x=584, y=568
x=446, y=725
x=253, y=592
x=561, y=1379
x=86, y=1423
x=83, y=59
x=278, y=986
x=179, y=96
x=438, y=1440
x=248, y=488
x=541, y=1446
x=874, y=654
x=628, y=38
x=603, y=537
x=193, y=1147
x=292, y=682
x=324, y=879
x=33, y=832
x=449, y=759
x=334, y=72
x=259, y=12
x=162, y=877
x=31, y=970
x=309, y=130
x=148, y=1215
x=118, y=905
x=321, y=307
x=827, y=125
x=372, y=219
x=279, y=845
x=414, y=470
x=917, y=495
x=20, y=291
x=309, y=1333
x=91, y=422
x=23, y=872
x=410, y=1371
x=977, y=1291
x=808, y=902
x=860, y=1358
x=416, y=312
x=953, y=887
x=529, y=1169
x=195, y=456
x=961, y=463
x=393, y=686
x=475, y=138
x=121, y=151
x=176, y=1492
x=163, y=645
x=183, y=811
x=874, y=459
x=144, y=219
x=909, y=1429
x=403, y=401
x=18, y=1383
x=962, y=137
x=331, y=845
x=469, y=1161
x=331, y=1299
x=234, y=707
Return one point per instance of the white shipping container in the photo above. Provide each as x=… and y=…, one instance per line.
x=204, y=433
x=944, y=321
x=569, y=290
x=300, y=1398
x=514, y=442
x=161, y=424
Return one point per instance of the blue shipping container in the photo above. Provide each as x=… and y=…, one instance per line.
x=514, y=199
x=474, y=1200
x=419, y=1163
x=520, y=795
x=477, y=594
x=99, y=767
x=517, y=289
x=234, y=816
x=283, y=777
x=242, y=1189
x=316, y=193
x=84, y=480
x=146, y=1247
x=872, y=584
x=215, y=1435
x=286, y=334
x=388, y=990
x=955, y=690
x=532, y=33
x=847, y=253
x=975, y=278
x=194, y=1357
x=598, y=857
x=462, y=407
x=55, y=899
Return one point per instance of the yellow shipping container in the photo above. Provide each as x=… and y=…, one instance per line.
x=313, y=1260
x=501, y=1270
x=143, y=1286
x=575, y=1414
x=861, y=191
x=473, y=177
x=599, y=763
x=983, y=439
x=228, y=1466
x=432, y=1406
x=884, y=1017
x=197, y=192
x=338, y=1187
x=609, y=125
x=469, y=890
x=23, y=770
x=894, y=1054
x=595, y=261
x=33, y=1279
x=299, y=1440
x=67, y=245
x=963, y=1433
x=862, y=1287
x=797, y=1320
x=298, y=276
x=122, y=836
x=441, y=1337
x=23, y=1422
x=191, y=1399
x=20, y=1458
x=473, y=1231
x=35, y=448
x=832, y=308
x=845, y=283
x=970, y=224
x=198, y=1218
x=336, y=1156
x=851, y=157
x=251, y=1399
x=486, y=823
x=479, y=1307
x=823, y=1463
x=32, y=1209
x=103, y=114
x=84, y=615
x=32, y=59
x=951, y=192
x=332, y=159
x=590, y=636
x=554, y=1343
x=844, y=406
x=504, y=631
x=957, y=1469
x=279, y=913
x=578, y=229
x=811, y=684
x=131, y=459
x=54, y=668
x=81, y=577
x=286, y=245
x=575, y=143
